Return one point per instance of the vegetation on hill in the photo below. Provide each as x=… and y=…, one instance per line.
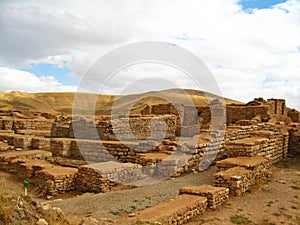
x=62, y=103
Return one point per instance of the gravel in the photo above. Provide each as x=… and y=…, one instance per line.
x=116, y=204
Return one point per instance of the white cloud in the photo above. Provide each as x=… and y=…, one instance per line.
x=243, y=50
x=12, y=79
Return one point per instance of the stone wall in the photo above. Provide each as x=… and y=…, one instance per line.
x=294, y=115
x=216, y=196
x=105, y=128
x=25, y=124
x=244, y=112
x=294, y=141
x=240, y=173
x=277, y=106
x=177, y=211
x=103, y=177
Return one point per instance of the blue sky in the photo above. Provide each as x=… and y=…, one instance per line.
x=61, y=73
x=259, y=4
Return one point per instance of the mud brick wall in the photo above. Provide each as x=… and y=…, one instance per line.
x=102, y=177
x=294, y=141
x=235, y=113
x=277, y=106
x=294, y=115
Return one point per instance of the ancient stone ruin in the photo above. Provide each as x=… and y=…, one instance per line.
x=112, y=151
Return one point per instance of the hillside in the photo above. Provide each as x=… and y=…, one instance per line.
x=62, y=102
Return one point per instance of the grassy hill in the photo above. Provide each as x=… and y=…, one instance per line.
x=62, y=102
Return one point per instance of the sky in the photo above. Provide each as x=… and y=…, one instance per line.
x=252, y=48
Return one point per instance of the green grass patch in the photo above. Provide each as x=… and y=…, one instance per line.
x=295, y=187
x=238, y=219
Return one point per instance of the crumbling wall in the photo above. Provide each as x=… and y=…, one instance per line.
x=102, y=177
x=25, y=124
x=277, y=106
x=107, y=128
x=294, y=115
x=244, y=112
x=294, y=141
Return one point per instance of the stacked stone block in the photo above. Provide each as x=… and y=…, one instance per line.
x=216, y=196
x=238, y=179
x=54, y=180
x=102, y=177
x=177, y=211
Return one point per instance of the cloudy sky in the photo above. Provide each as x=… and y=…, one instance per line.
x=251, y=47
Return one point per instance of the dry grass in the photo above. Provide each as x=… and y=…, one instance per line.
x=6, y=210
x=62, y=102
x=19, y=210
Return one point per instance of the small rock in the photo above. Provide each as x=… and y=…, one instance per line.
x=281, y=181
x=45, y=209
x=131, y=215
x=41, y=222
x=93, y=220
x=18, y=149
x=49, y=197
x=57, y=209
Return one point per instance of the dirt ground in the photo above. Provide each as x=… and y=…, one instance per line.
x=274, y=201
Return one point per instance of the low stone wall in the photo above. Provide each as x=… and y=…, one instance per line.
x=238, y=179
x=177, y=211
x=54, y=180
x=47, y=179
x=41, y=143
x=259, y=165
x=60, y=146
x=23, y=142
x=36, y=133
x=240, y=173
x=102, y=177
x=272, y=145
x=216, y=196
x=24, y=124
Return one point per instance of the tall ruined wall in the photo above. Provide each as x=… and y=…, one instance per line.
x=142, y=127
x=243, y=112
x=294, y=140
x=294, y=115
x=277, y=106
